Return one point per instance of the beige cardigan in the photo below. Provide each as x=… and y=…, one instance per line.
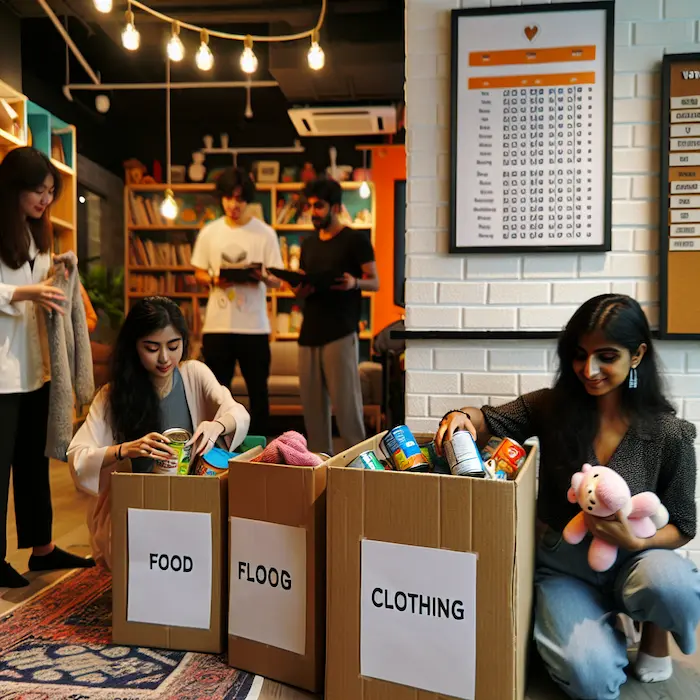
x=207, y=400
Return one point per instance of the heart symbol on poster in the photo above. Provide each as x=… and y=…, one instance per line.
x=532, y=32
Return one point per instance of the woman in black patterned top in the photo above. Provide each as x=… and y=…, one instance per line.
x=607, y=408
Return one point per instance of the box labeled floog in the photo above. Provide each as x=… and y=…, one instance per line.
x=277, y=557
x=430, y=582
x=169, y=561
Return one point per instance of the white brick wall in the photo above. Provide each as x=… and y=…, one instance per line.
x=531, y=291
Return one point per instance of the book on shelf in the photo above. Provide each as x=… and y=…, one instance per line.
x=165, y=283
x=145, y=252
x=145, y=211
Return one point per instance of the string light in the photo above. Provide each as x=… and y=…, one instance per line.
x=104, y=6
x=169, y=206
x=175, y=48
x=131, y=39
x=365, y=191
x=204, y=58
x=315, y=56
x=249, y=61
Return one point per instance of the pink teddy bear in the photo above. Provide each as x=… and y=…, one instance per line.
x=602, y=492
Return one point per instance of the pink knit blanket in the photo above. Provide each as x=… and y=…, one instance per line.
x=289, y=448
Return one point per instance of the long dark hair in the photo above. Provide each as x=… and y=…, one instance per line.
x=23, y=170
x=623, y=322
x=133, y=402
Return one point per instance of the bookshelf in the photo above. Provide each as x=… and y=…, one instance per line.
x=57, y=139
x=157, y=254
x=24, y=123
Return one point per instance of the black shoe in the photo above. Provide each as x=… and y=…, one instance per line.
x=10, y=578
x=58, y=559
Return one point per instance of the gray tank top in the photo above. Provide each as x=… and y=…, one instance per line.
x=174, y=413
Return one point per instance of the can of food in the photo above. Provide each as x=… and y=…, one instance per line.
x=463, y=455
x=438, y=464
x=403, y=450
x=506, y=455
x=367, y=460
x=179, y=463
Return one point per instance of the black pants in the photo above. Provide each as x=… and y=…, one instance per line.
x=252, y=352
x=23, y=424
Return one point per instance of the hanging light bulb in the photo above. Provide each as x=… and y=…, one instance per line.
x=249, y=61
x=103, y=5
x=131, y=39
x=204, y=57
x=365, y=191
x=169, y=207
x=176, y=50
x=315, y=56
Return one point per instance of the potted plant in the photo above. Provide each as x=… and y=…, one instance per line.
x=105, y=287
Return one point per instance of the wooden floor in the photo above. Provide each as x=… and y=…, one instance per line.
x=70, y=532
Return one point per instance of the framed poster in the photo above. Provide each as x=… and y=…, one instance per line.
x=679, y=241
x=531, y=127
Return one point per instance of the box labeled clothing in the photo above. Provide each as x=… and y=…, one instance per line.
x=419, y=564
x=169, y=561
x=277, y=553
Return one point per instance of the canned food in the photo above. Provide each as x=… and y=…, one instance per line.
x=367, y=460
x=403, y=450
x=505, y=455
x=463, y=455
x=179, y=463
x=438, y=464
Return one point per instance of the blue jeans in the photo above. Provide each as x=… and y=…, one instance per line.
x=576, y=607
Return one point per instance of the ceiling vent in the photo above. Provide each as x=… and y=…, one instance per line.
x=343, y=121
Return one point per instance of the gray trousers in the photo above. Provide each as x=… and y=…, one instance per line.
x=329, y=374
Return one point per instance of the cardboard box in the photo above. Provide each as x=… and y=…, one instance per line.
x=277, y=631
x=493, y=519
x=179, y=496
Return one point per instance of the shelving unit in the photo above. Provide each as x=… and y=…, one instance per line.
x=57, y=140
x=198, y=206
x=37, y=127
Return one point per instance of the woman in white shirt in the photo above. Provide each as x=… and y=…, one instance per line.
x=29, y=183
x=151, y=390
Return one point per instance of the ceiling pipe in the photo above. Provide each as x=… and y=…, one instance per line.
x=69, y=42
x=224, y=84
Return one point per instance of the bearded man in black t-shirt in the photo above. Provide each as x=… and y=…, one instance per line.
x=340, y=264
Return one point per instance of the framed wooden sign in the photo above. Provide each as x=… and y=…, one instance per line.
x=679, y=241
x=532, y=128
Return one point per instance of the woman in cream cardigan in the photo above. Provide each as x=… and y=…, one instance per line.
x=151, y=390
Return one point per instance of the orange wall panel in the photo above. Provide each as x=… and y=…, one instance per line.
x=388, y=165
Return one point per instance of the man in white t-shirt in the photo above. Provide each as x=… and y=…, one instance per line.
x=236, y=326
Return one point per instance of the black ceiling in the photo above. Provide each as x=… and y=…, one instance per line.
x=362, y=40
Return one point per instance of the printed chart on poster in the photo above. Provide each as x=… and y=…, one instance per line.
x=531, y=128
x=680, y=197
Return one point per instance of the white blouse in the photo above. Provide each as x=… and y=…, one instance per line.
x=24, y=352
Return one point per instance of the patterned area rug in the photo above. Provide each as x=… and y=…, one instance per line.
x=57, y=646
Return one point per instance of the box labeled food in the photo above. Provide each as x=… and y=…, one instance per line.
x=169, y=546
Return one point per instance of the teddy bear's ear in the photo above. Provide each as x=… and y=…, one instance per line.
x=571, y=495
x=586, y=468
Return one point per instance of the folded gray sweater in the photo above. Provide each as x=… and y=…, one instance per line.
x=71, y=363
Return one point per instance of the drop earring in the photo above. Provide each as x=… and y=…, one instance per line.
x=633, y=378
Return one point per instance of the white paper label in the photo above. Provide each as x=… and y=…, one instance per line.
x=170, y=568
x=685, y=186
x=684, y=244
x=268, y=584
x=418, y=617
x=680, y=159
x=678, y=130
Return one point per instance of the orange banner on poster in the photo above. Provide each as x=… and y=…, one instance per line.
x=521, y=81
x=511, y=57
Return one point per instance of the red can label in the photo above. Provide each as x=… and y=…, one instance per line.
x=506, y=454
